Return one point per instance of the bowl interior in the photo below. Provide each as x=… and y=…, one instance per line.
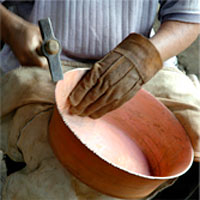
x=141, y=137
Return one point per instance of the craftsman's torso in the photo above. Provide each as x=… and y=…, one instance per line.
x=88, y=29
x=91, y=28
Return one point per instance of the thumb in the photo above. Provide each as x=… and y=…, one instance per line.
x=39, y=60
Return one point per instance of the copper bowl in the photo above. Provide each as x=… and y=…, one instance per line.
x=128, y=152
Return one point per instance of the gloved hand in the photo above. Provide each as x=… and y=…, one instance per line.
x=116, y=78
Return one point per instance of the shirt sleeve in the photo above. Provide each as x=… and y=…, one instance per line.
x=179, y=10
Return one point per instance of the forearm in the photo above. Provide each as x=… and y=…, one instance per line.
x=9, y=23
x=24, y=38
x=174, y=37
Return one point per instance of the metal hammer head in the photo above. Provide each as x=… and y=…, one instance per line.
x=51, y=49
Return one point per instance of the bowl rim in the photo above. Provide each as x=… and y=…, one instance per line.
x=120, y=167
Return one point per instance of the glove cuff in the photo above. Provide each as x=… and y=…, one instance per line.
x=144, y=56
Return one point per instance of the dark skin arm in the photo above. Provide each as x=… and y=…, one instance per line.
x=23, y=38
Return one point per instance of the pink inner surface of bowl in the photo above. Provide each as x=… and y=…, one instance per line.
x=141, y=137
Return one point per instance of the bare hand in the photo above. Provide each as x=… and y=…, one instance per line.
x=23, y=37
x=25, y=42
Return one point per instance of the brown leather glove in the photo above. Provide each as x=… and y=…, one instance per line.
x=116, y=78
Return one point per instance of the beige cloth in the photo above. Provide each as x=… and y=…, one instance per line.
x=27, y=98
x=181, y=94
x=27, y=101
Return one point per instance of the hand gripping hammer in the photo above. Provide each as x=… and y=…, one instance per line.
x=51, y=49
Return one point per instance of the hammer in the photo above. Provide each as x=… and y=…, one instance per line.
x=51, y=49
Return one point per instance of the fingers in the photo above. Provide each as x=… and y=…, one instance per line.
x=29, y=56
x=89, y=90
x=40, y=61
x=97, y=82
x=32, y=59
x=115, y=94
x=90, y=80
x=91, y=103
x=35, y=50
x=116, y=103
